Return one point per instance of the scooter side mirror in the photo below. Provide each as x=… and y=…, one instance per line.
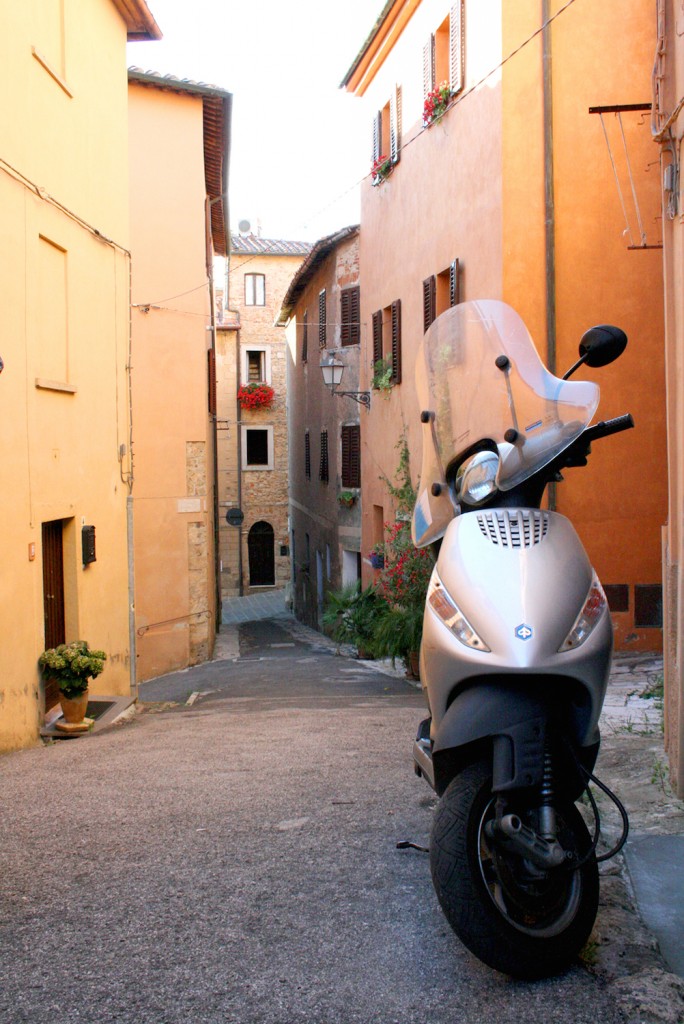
x=602, y=345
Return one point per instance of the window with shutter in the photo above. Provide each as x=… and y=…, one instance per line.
x=454, y=284
x=377, y=336
x=456, y=47
x=429, y=301
x=255, y=290
x=395, y=124
x=350, y=316
x=396, y=342
x=428, y=66
x=321, y=319
x=307, y=456
x=211, y=375
x=305, y=335
x=351, y=455
x=323, y=470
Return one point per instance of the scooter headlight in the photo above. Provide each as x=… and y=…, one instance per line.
x=476, y=478
x=450, y=614
x=587, y=619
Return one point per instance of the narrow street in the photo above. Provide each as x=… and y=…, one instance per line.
x=234, y=859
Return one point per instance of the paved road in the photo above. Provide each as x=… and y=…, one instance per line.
x=235, y=860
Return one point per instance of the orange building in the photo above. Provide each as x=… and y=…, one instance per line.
x=518, y=191
x=179, y=143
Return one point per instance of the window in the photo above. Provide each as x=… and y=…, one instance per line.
x=443, y=54
x=256, y=365
x=211, y=375
x=387, y=339
x=648, y=606
x=351, y=455
x=440, y=293
x=322, y=325
x=255, y=290
x=350, y=302
x=387, y=129
x=323, y=472
x=257, y=447
x=305, y=336
x=618, y=596
x=307, y=456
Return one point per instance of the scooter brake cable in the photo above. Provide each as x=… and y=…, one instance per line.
x=406, y=844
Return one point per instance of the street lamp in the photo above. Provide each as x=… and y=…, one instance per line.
x=332, y=370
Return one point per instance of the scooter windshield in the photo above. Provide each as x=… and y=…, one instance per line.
x=480, y=381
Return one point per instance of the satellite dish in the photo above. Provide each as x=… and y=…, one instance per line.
x=244, y=227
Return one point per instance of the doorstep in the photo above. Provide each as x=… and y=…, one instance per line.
x=102, y=709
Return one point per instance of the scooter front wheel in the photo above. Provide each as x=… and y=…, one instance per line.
x=516, y=918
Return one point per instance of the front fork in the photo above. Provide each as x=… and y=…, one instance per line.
x=539, y=847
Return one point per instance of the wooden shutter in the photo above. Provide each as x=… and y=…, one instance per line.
x=395, y=124
x=396, y=342
x=454, y=284
x=321, y=319
x=351, y=455
x=211, y=380
x=351, y=314
x=307, y=456
x=377, y=135
x=323, y=470
x=377, y=336
x=429, y=301
x=456, y=47
x=305, y=336
x=428, y=66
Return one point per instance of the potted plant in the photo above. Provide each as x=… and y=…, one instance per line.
x=351, y=616
x=382, y=375
x=381, y=169
x=256, y=396
x=346, y=498
x=436, y=103
x=71, y=666
x=377, y=556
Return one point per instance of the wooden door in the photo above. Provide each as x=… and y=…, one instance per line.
x=260, y=545
x=53, y=597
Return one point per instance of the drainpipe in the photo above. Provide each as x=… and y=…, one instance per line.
x=549, y=210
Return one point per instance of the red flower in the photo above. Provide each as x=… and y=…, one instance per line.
x=256, y=396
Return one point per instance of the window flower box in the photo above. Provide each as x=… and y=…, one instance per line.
x=436, y=104
x=256, y=396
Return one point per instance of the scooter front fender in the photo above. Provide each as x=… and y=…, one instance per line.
x=513, y=721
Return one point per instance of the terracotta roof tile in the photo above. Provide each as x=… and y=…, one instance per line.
x=252, y=245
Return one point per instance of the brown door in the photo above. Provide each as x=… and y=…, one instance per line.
x=53, y=597
x=261, y=555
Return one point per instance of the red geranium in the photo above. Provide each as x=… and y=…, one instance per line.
x=256, y=396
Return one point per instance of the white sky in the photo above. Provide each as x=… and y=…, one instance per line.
x=299, y=143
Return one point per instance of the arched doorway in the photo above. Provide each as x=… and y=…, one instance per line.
x=261, y=550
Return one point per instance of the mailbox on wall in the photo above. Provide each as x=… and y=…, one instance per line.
x=88, y=544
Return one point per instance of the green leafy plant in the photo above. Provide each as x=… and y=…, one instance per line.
x=72, y=665
x=381, y=169
x=346, y=498
x=436, y=103
x=352, y=614
x=382, y=375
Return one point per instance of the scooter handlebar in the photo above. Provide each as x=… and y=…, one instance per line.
x=607, y=427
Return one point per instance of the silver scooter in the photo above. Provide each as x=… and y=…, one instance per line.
x=517, y=639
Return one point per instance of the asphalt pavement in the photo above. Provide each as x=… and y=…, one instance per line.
x=227, y=853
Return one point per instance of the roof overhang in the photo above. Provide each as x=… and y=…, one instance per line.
x=138, y=19
x=321, y=250
x=216, y=121
x=392, y=21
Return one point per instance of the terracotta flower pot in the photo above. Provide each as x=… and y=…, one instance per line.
x=74, y=708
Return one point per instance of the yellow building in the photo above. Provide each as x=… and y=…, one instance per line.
x=179, y=139
x=64, y=292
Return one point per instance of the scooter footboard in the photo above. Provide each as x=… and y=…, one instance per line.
x=516, y=723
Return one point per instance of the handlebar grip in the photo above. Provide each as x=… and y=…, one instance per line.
x=607, y=427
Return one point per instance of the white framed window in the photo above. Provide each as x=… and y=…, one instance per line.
x=257, y=448
x=256, y=364
x=255, y=290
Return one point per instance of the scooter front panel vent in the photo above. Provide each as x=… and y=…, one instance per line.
x=518, y=529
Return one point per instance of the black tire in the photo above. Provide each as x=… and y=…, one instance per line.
x=519, y=924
